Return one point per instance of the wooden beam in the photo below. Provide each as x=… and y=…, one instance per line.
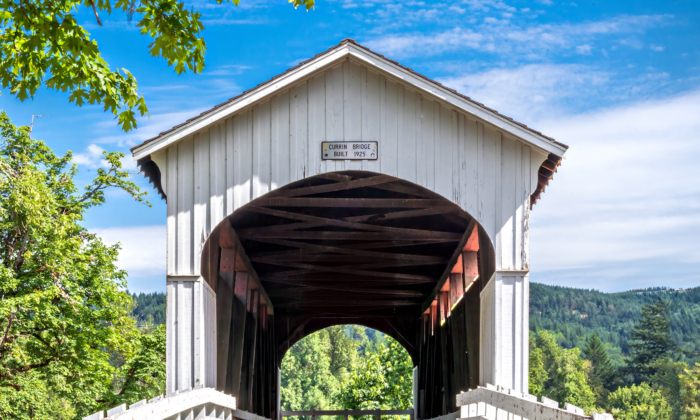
x=369, y=245
x=353, y=202
x=338, y=186
x=389, y=235
x=448, y=268
x=224, y=291
x=322, y=221
x=349, y=289
x=246, y=262
x=350, y=251
x=238, y=316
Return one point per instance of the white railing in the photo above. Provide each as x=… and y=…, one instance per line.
x=491, y=403
x=202, y=403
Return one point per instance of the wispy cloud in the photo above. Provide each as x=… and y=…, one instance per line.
x=142, y=250
x=530, y=91
x=631, y=198
x=506, y=37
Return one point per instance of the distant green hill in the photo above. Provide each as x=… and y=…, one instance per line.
x=573, y=314
x=150, y=307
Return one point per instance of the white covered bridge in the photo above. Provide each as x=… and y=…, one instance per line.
x=348, y=190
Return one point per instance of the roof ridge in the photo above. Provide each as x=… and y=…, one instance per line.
x=342, y=43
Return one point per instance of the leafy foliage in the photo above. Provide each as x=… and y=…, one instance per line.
x=62, y=305
x=150, y=308
x=574, y=314
x=690, y=393
x=651, y=341
x=380, y=380
x=639, y=402
x=43, y=43
x=346, y=367
x=602, y=376
x=566, y=373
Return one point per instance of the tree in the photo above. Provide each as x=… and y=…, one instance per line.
x=638, y=402
x=381, y=380
x=307, y=382
x=343, y=344
x=538, y=374
x=62, y=299
x=601, y=375
x=651, y=341
x=566, y=373
x=690, y=393
x=43, y=44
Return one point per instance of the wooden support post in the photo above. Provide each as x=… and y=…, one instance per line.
x=239, y=315
x=224, y=294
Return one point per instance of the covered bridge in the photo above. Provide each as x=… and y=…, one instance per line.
x=348, y=190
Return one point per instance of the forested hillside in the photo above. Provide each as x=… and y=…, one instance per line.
x=149, y=308
x=574, y=314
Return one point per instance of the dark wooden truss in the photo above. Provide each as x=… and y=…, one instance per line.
x=343, y=244
x=349, y=247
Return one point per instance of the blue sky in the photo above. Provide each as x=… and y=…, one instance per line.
x=617, y=81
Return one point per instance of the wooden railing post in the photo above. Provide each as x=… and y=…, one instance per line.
x=346, y=415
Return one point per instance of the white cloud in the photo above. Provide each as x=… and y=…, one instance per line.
x=528, y=92
x=92, y=157
x=143, y=248
x=505, y=37
x=624, y=209
x=457, y=9
x=583, y=49
x=656, y=48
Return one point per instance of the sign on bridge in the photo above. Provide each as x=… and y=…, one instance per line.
x=349, y=150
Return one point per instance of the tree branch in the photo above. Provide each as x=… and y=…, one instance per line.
x=95, y=10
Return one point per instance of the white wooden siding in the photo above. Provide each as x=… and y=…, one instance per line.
x=505, y=327
x=278, y=141
x=190, y=334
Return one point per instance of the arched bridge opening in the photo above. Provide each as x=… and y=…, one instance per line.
x=351, y=247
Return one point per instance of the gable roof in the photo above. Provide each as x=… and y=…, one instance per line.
x=349, y=47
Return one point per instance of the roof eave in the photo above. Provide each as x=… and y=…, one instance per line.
x=377, y=61
x=254, y=95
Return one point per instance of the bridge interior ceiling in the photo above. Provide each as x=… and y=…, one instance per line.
x=351, y=247
x=350, y=244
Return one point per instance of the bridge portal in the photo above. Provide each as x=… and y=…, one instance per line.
x=421, y=232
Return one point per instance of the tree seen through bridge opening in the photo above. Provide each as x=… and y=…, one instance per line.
x=347, y=367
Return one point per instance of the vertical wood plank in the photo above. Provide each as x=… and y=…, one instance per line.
x=409, y=126
x=280, y=148
x=334, y=113
x=299, y=132
x=317, y=124
x=172, y=210
x=456, y=158
x=224, y=302
x=518, y=207
x=261, y=149
x=242, y=167
x=426, y=166
x=508, y=206
x=198, y=333
x=353, y=86
x=185, y=340
x=171, y=336
x=217, y=173
x=185, y=204
x=469, y=173
x=487, y=184
x=238, y=326
x=373, y=114
x=443, y=152
x=202, y=195
x=527, y=189
x=389, y=128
